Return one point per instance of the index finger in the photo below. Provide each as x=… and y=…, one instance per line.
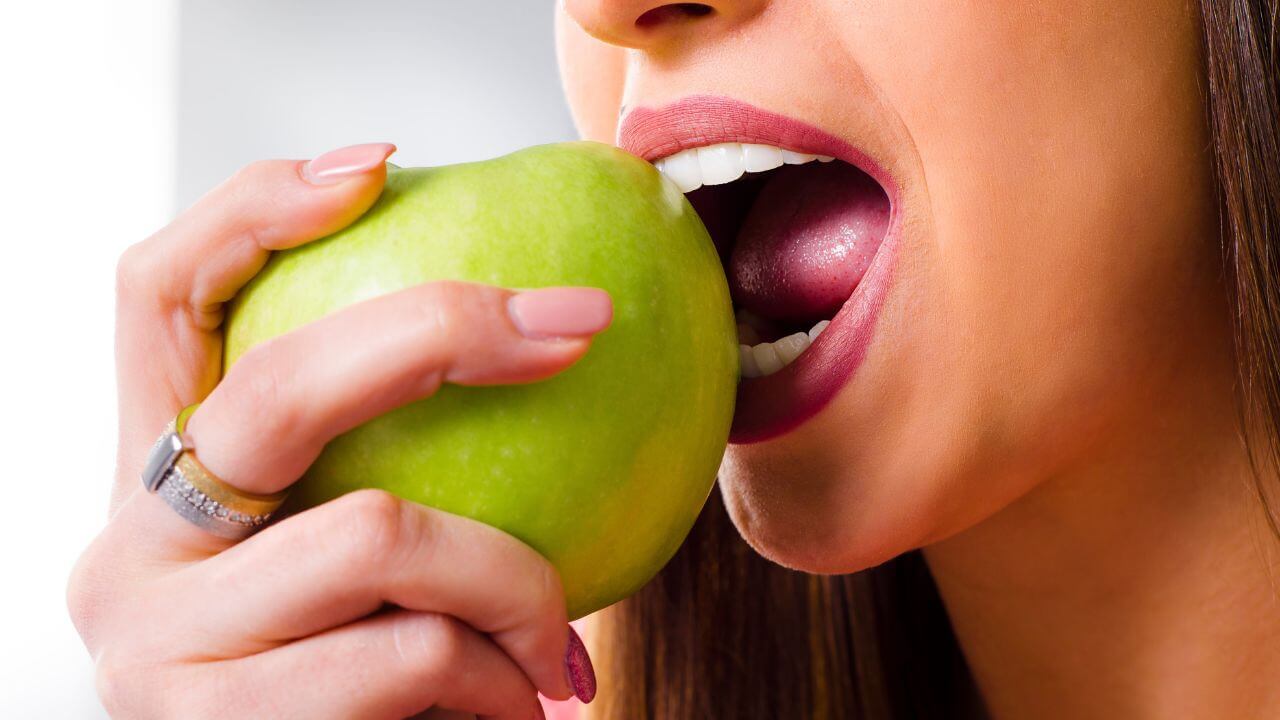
x=171, y=287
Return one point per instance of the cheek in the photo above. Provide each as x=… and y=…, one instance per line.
x=593, y=74
x=1073, y=250
x=1072, y=222
x=1066, y=251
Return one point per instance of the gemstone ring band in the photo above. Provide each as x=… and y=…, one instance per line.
x=174, y=474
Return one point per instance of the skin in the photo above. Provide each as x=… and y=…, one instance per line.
x=291, y=622
x=1047, y=407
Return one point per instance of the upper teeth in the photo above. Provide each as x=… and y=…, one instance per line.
x=767, y=358
x=725, y=162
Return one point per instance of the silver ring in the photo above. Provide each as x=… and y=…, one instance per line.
x=175, y=475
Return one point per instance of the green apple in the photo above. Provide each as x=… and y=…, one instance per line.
x=602, y=468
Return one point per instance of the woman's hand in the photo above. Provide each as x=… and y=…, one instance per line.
x=368, y=606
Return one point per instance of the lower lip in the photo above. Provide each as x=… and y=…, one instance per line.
x=775, y=404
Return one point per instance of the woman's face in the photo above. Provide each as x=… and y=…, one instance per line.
x=1041, y=244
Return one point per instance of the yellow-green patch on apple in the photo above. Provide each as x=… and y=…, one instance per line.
x=602, y=468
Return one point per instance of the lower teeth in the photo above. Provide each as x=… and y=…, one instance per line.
x=767, y=358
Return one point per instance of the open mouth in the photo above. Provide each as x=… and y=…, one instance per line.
x=796, y=232
x=801, y=227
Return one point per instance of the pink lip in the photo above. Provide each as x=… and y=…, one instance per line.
x=775, y=404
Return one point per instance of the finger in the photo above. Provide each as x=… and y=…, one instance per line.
x=268, y=420
x=211, y=250
x=347, y=558
x=284, y=400
x=171, y=287
x=279, y=405
x=393, y=665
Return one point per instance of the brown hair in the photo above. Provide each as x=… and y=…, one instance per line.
x=1242, y=64
x=722, y=633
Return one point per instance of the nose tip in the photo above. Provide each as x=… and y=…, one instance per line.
x=642, y=24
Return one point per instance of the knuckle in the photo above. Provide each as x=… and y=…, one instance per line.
x=80, y=597
x=131, y=688
x=536, y=613
x=436, y=303
x=132, y=271
x=259, y=185
x=254, y=173
x=547, y=592
x=258, y=387
x=372, y=526
x=263, y=183
x=116, y=681
x=87, y=587
x=431, y=644
x=221, y=690
x=109, y=683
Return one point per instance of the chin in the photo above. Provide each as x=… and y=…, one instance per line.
x=802, y=509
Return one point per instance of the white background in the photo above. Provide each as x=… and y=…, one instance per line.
x=113, y=115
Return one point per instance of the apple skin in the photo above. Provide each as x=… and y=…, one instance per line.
x=603, y=468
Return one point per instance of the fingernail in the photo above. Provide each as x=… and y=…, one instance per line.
x=560, y=312
x=337, y=165
x=577, y=666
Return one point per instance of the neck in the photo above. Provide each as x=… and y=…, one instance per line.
x=1144, y=586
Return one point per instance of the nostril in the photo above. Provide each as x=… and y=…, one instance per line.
x=671, y=13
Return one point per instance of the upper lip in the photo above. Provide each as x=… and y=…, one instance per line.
x=701, y=120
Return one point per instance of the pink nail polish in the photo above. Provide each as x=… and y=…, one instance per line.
x=577, y=665
x=560, y=312
x=337, y=165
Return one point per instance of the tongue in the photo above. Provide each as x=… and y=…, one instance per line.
x=807, y=241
